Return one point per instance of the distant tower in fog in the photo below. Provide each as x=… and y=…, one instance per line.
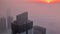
x=9, y=18
x=5, y=20
x=2, y=24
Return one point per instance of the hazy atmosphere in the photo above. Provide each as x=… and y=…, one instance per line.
x=45, y=15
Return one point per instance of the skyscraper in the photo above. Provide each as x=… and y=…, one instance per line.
x=2, y=24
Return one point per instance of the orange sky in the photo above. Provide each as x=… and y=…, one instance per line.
x=44, y=1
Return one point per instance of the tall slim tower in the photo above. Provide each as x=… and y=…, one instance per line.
x=9, y=18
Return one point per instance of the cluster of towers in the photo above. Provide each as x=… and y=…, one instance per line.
x=22, y=25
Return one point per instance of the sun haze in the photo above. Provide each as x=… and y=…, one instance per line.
x=44, y=1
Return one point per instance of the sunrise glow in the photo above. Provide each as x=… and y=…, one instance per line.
x=44, y=1
x=48, y=1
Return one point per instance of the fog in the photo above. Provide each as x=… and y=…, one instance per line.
x=45, y=15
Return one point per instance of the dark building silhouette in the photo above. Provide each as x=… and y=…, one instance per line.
x=39, y=30
x=2, y=24
x=9, y=21
x=22, y=24
x=5, y=23
x=22, y=18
